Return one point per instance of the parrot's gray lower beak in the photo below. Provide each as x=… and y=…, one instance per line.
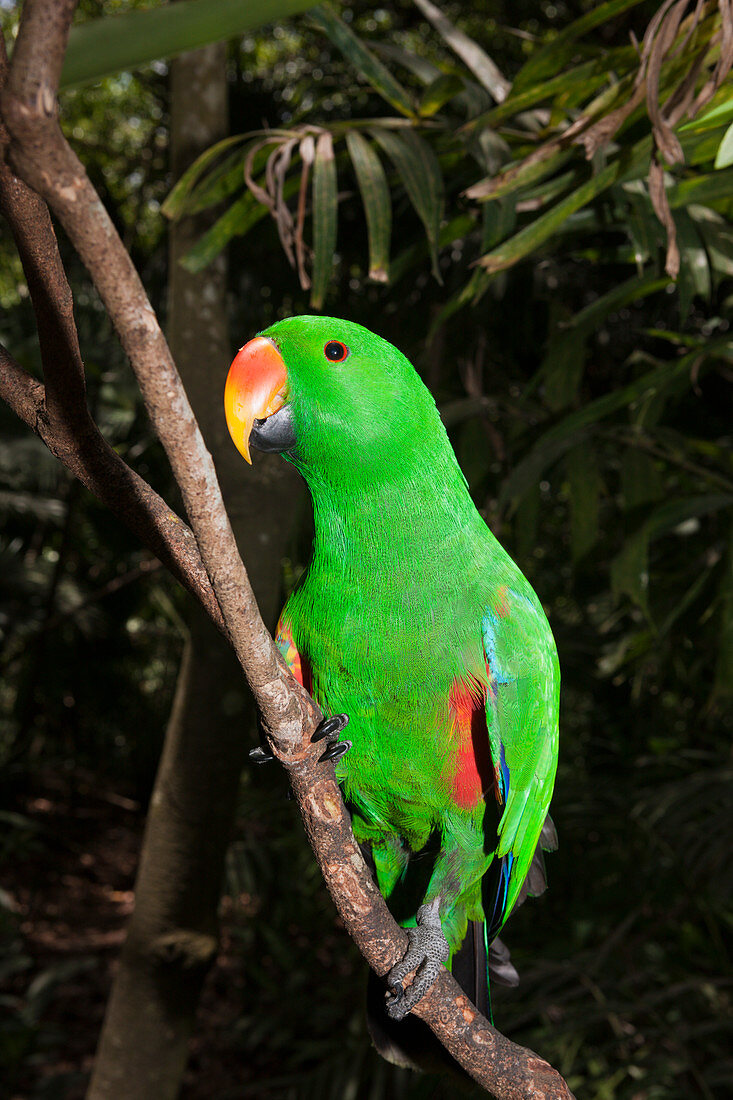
x=275, y=433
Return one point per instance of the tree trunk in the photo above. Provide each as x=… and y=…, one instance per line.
x=172, y=938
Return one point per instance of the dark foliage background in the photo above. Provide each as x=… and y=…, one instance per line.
x=594, y=427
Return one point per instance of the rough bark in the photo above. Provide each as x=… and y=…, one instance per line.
x=41, y=155
x=172, y=937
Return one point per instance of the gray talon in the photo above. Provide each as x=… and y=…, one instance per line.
x=427, y=950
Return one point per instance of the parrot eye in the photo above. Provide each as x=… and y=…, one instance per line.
x=335, y=351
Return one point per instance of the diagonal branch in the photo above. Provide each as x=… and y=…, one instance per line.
x=58, y=412
x=42, y=157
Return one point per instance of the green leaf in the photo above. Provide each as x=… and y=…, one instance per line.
x=630, y=570
x=517, y=176
x=563, y=368
x=473, y=57
x=377, y=203
x=363, y=60
x=454, y=230
x=694, y=275
x=565, y=358
x=585, y=485
x=177, y=201
x=571, y=429
x=420, y=67
x=717, y=234
x=724, y=156
x=719, y=112
x=114, y=42
x=241, y=216
x=641, y=482
x=667, y=516
x=702, y=189
x=438, y=93
x=548, y=60
x=642, y=224
x=420, y=172
x=325, y=215
x=579, y=83
x=542, y=228
x=234, y=222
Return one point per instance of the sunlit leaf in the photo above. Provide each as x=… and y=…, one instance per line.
x=702, y=189
x=377, y=203
x=724, y=156
x=325, y=215
x=717, y=234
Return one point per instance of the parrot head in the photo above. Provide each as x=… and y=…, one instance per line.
x=327, y=394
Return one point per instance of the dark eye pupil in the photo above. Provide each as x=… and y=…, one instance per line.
x=335, y=351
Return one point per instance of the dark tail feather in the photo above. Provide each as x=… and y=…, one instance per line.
x=536, y=881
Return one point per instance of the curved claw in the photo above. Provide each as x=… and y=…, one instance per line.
x=330, y=727
x=260, y=755
x=335, y=752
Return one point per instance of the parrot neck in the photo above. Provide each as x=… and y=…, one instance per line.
x=363, y=523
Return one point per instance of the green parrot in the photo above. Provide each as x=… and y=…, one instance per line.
x=413, y=624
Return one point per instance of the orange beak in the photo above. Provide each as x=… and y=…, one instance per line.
x=256, y=388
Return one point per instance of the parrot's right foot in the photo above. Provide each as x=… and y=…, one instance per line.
x=426, y=952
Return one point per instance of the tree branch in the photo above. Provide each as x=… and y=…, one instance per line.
x=41, y=155
x=58, y=412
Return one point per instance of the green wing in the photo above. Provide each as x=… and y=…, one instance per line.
x=521, y=716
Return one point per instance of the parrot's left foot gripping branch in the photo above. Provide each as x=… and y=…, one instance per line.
x=328, y=730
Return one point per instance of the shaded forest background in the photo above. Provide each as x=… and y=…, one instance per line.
x=588, y=398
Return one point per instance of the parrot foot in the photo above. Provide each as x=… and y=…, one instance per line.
x=329, y=730
x=426, y=952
